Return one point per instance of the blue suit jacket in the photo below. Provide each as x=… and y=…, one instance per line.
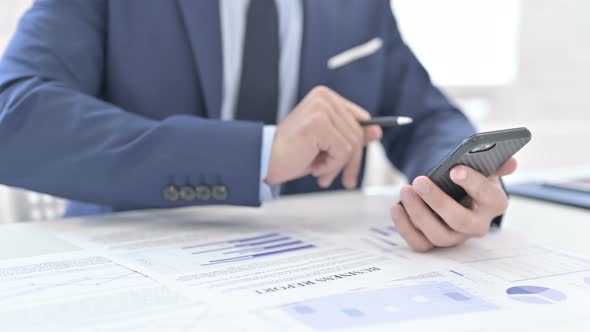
x=107, y=102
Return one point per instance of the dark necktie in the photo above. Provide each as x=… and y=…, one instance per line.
x=259, y=85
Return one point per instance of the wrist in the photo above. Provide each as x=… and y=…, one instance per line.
x=273, y=176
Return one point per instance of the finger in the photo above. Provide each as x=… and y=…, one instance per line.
x=337, y=153
x=333, y=110
x=319, y=160
x=352, y=170
x=328, y=169
x=352, y=114
x=455, y=215
x=358, y=112
x=508, y=168
x=413, y=237
x=372, y=133
x=428, y=222
x=338, y=106
x=347, y=123
x=325, y=181
x=354, y=137
x=485, y=192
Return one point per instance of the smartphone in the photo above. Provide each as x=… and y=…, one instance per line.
x=484, y=152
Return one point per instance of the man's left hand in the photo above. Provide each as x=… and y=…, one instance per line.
x=430, y=218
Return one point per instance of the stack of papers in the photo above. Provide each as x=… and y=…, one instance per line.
x=180, y=271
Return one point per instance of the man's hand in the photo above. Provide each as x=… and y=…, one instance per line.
x=322, y=137
x=430, y=218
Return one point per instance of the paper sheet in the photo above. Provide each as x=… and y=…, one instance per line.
x=259, y=266
x=254, y=276
x=76, y=290
x=499, y=280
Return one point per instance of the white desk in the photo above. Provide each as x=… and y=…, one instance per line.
x=321, y=214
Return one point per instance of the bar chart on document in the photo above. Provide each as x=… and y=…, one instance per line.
x=263, y=268
x=382, y=306
x=244, y=249
x=220, y=252
x=383, y=238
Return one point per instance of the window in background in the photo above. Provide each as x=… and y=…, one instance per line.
x=511, y=63
x=10, y=12
x=464, y=43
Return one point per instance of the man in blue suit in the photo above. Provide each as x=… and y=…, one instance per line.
x=120, y=105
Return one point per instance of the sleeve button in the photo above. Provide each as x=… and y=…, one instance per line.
x=203, y=192
x=220, y=193
x=187, y=193
x=171, y=193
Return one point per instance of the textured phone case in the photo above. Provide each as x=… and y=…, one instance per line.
x=508, y=142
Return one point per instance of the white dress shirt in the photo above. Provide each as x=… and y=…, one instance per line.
x=233, y=25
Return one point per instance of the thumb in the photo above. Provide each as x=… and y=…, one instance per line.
x=372, y=133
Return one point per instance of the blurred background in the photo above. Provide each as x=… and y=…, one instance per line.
x=506, y=63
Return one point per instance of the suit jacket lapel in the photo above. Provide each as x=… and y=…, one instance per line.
x=202, y=22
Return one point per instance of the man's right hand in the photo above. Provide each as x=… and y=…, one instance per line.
x=321, y=137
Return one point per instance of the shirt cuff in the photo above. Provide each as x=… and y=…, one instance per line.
x=267, y=192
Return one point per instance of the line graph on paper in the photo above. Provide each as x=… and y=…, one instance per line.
x=92, y=276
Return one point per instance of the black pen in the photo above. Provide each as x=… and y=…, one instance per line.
x=387, y=121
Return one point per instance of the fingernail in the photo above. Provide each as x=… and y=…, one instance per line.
x=458, y=174
x=407, y=195
x=422, y=187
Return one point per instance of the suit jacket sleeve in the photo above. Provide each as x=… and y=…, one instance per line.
x=438, y=125
x=58, y=137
